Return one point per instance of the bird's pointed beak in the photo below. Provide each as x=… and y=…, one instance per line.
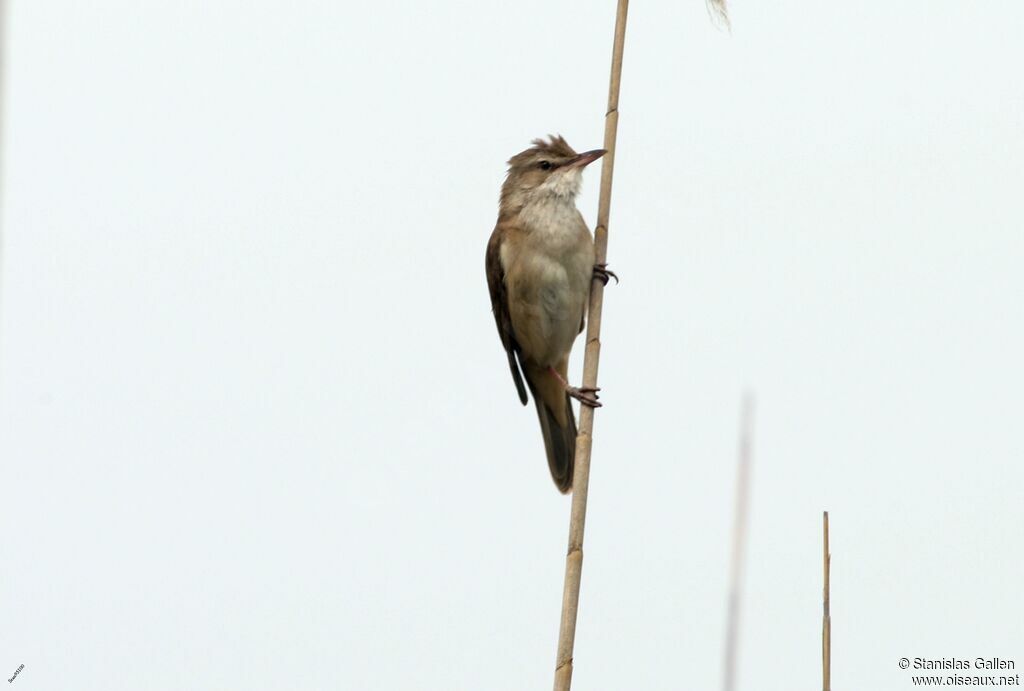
x=586, y=158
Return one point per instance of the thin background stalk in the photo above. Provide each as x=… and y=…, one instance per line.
x=4, y=41
x=739, y=539
x=581, y=475
x=826, y=619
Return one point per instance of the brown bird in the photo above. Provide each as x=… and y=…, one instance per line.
x=540, y=265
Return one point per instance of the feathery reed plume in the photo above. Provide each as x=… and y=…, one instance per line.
x=719, y=13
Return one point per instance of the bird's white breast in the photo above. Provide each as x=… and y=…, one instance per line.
x=554, y=263
x=553, y=222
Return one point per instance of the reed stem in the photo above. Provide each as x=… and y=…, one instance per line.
x=591, y=358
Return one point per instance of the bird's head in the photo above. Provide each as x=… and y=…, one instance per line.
x=547, y=169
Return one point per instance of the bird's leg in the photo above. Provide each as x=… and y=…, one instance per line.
x=602, y=273
x=584, y=394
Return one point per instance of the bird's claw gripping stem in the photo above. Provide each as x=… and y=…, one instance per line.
x=585, y=395
x=602, y=273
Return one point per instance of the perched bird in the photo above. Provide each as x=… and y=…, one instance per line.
x=540, y=266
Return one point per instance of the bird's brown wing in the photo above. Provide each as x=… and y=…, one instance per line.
x=499, y=305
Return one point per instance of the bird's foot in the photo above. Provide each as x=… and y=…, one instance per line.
x=585, y=395
x=602, y=273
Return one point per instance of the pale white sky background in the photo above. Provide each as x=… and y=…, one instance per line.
x=257, y=428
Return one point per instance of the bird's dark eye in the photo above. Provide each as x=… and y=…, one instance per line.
x=545, y=165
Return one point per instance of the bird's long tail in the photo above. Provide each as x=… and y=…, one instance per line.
x=557, y=428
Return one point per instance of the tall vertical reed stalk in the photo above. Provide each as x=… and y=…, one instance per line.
x=581, y=475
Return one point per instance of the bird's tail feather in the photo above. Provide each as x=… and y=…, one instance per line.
x=559, y=441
